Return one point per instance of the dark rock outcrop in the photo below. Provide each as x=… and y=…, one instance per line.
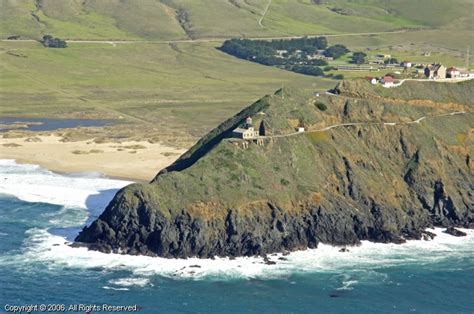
x=455, y=232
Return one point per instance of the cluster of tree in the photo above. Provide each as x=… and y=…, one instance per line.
x=358, y=57
x=256, y=49
x=297, y=55
x=51, y=42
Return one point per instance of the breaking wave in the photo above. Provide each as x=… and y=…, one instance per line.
x=83, y=197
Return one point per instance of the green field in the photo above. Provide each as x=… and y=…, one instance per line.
x=177, y=89
x=179, y=19
x=182, y=89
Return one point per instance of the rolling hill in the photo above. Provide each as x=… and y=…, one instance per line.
x=181, y=19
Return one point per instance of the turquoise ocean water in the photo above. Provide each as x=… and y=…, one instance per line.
x=41, y=211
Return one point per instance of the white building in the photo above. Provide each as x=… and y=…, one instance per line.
x=372, y=80
x=281, y=53
x=406, y=64
x=245, y=134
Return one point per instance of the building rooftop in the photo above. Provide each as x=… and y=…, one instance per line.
x=240, y=130
x=434, y=67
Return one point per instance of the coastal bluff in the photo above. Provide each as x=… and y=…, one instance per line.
x=360, y=163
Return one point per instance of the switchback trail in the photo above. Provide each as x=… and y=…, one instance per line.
x=264, y=13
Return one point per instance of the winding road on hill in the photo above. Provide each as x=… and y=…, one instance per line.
x=417, y=121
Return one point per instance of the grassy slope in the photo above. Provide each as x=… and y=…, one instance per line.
x=458, y=93
x=182, y=89
x=283, y=170
x=170, y=88
x=427, y=13
x=150, y=19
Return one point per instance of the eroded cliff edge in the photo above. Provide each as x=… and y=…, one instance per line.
x=393, y=163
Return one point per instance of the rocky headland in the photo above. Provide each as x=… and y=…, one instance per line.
x=372, y=164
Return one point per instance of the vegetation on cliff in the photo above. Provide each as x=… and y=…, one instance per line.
x=364, y=169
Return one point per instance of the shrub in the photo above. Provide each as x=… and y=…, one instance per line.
x=284, y=182
x=51, y=42
x=321, y=106
x=308, y=70
x=338, y=77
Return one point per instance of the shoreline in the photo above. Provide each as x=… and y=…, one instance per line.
x=137, y=161
x=55, y=249
x=324, y=258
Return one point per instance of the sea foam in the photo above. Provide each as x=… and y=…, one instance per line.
x=34, y=184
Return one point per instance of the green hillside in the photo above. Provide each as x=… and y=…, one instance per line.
x=384, y=179
x=179, y=19
x=178, y=91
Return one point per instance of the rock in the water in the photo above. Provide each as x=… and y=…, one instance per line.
x=427, y=235
x=343, y=250
x=455, y=232
x=267, y=261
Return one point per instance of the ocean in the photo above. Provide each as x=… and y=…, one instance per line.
x=41, y=212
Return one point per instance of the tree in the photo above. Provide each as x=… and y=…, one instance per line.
x=358, y=57
x=336, y=51
x=51, y=42
x=391, y=61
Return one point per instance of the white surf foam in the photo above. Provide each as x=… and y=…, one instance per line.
x=117, y=289
x=127, y=282
x=54, y=251
x=32, y=183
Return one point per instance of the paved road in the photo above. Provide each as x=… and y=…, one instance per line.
x=203, y=40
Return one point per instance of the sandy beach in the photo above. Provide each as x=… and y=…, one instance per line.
x=135, y=161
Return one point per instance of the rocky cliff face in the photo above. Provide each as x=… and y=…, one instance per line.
x=379, y=174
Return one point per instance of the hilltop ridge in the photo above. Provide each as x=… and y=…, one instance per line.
x=180, y=19
x=376, y=168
